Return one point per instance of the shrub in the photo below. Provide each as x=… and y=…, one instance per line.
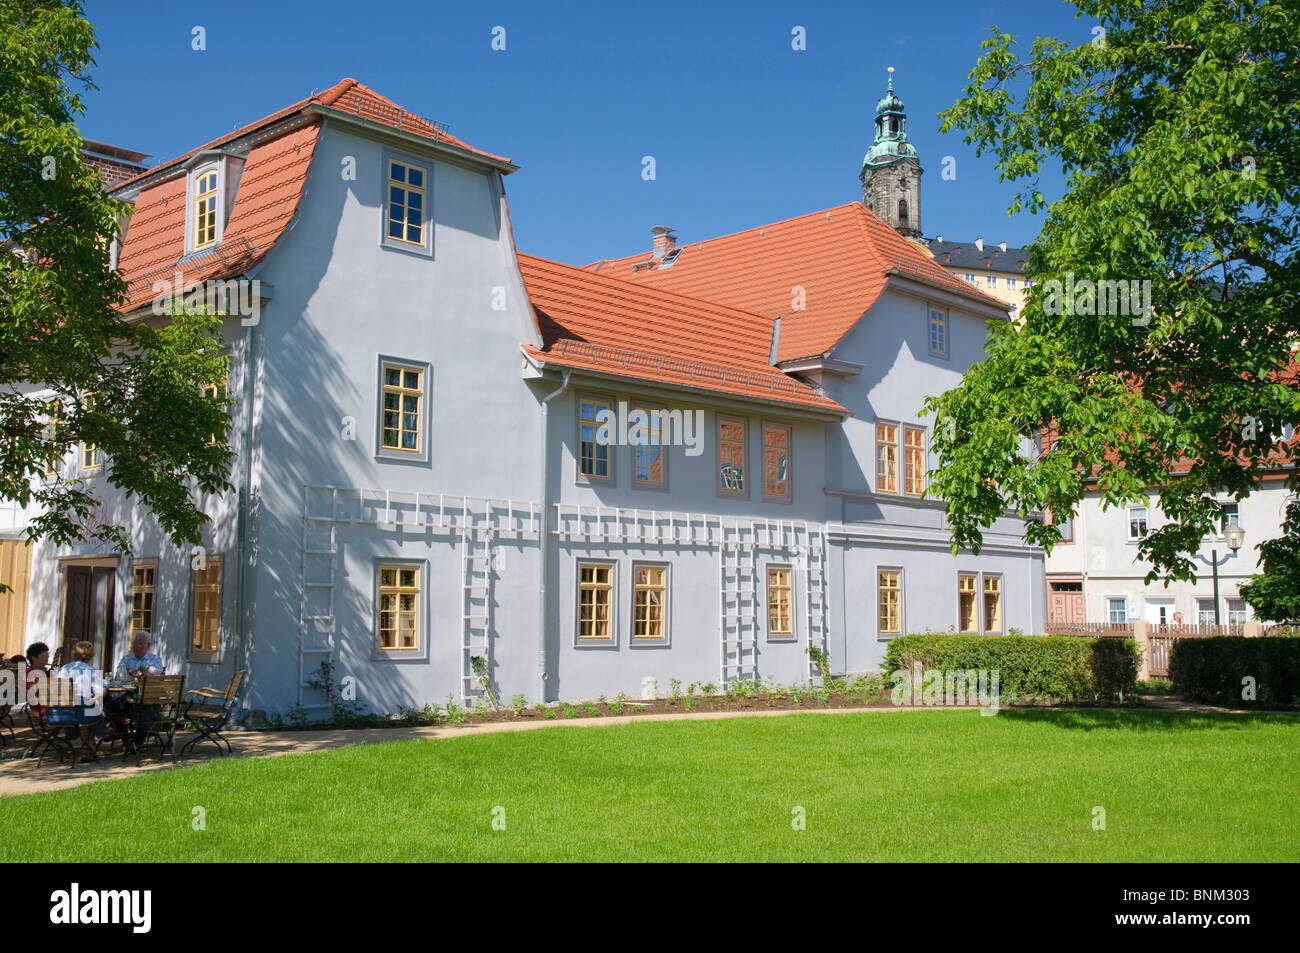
x=1213, y=670
x=1040, y=666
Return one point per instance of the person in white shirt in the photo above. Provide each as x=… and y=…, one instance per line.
x=140, y=661
x=88, y=714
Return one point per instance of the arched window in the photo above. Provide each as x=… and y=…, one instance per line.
x=902, y=211
x=893, y=125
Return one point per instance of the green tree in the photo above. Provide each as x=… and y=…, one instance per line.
x=1175, y=125
x=1275, y=593
x=130, y=387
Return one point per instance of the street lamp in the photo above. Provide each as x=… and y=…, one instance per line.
x=1234, y=535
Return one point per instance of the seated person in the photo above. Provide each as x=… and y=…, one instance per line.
x=37, y=660
x=140, y=661
x=88, y=714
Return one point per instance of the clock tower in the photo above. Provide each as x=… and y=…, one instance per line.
x=891, y=171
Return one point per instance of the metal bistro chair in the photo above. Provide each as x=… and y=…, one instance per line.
x=19, y=688
x=155, y=712
x=60, y=693
x=211, y=710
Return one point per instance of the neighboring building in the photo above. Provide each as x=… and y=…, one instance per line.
x=1095, y=576
x=114, y=163
x=996, y=270
x=419, y=479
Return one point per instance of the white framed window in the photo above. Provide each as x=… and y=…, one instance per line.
x=1117, y=611
x=970, y=277
x=1137, y=522
x=1229, y=515
x=1205, y=612
x=991, y=281
x=1236, y=612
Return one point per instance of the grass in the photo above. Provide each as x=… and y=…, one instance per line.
x=907, y=786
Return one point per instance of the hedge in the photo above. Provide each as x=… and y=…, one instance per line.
x=1213, y=670
x=1061, y=667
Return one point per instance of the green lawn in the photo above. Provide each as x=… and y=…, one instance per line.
x=894, y=786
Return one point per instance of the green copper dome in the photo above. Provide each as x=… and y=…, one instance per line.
x=891, y=143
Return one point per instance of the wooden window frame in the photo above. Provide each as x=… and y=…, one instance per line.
x=402, y=391
x=974, y=593
x=53, y=420
x=881, y=572
x=212, y=563
x=398, y=589
x=985, y=579
x=91, y=451
x=597, y=402
x=407, y=191
x=663, y=587
x=905, y=454
x=742, y=492
x=766, y=428
x=652, y=431
x=151, y=565
x=891, y=445
x=610, y=588
x=943, y=350
x=206, y=219
x=774, y=634
x=219, y=391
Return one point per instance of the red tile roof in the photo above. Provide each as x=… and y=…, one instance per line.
x=841, y=258
x=347, y=95
x=265, y=202
x=594, y=322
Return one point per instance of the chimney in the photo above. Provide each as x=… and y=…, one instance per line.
x=939, y=239
x=979, y=243
x=1002, y=245
x=664, y=239
x=113, y=163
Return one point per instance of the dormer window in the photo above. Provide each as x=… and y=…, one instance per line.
x=205, y=209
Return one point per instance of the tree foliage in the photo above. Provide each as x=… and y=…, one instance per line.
x=130, y=388
x=1175, y=124
x=1275, y=592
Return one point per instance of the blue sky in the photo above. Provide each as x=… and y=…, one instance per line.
x=743, y=129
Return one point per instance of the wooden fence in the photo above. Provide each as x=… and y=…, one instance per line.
x=1157, y=641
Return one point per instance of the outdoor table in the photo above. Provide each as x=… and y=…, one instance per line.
x=119, y=714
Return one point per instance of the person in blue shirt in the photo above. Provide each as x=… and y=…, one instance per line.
x=140, y=661
x=87, y=715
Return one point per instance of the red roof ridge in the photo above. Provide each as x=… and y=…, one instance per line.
x=330, y=99
x=736, y=234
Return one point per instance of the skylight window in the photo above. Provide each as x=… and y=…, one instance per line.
x=670, y=256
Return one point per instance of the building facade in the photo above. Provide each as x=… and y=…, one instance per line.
x=439, y=458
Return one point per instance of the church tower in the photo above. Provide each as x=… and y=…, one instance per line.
x=891, y=171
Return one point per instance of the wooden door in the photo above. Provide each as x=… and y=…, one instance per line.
x=78, y=608
x=15, y=570
x=1065, y=603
